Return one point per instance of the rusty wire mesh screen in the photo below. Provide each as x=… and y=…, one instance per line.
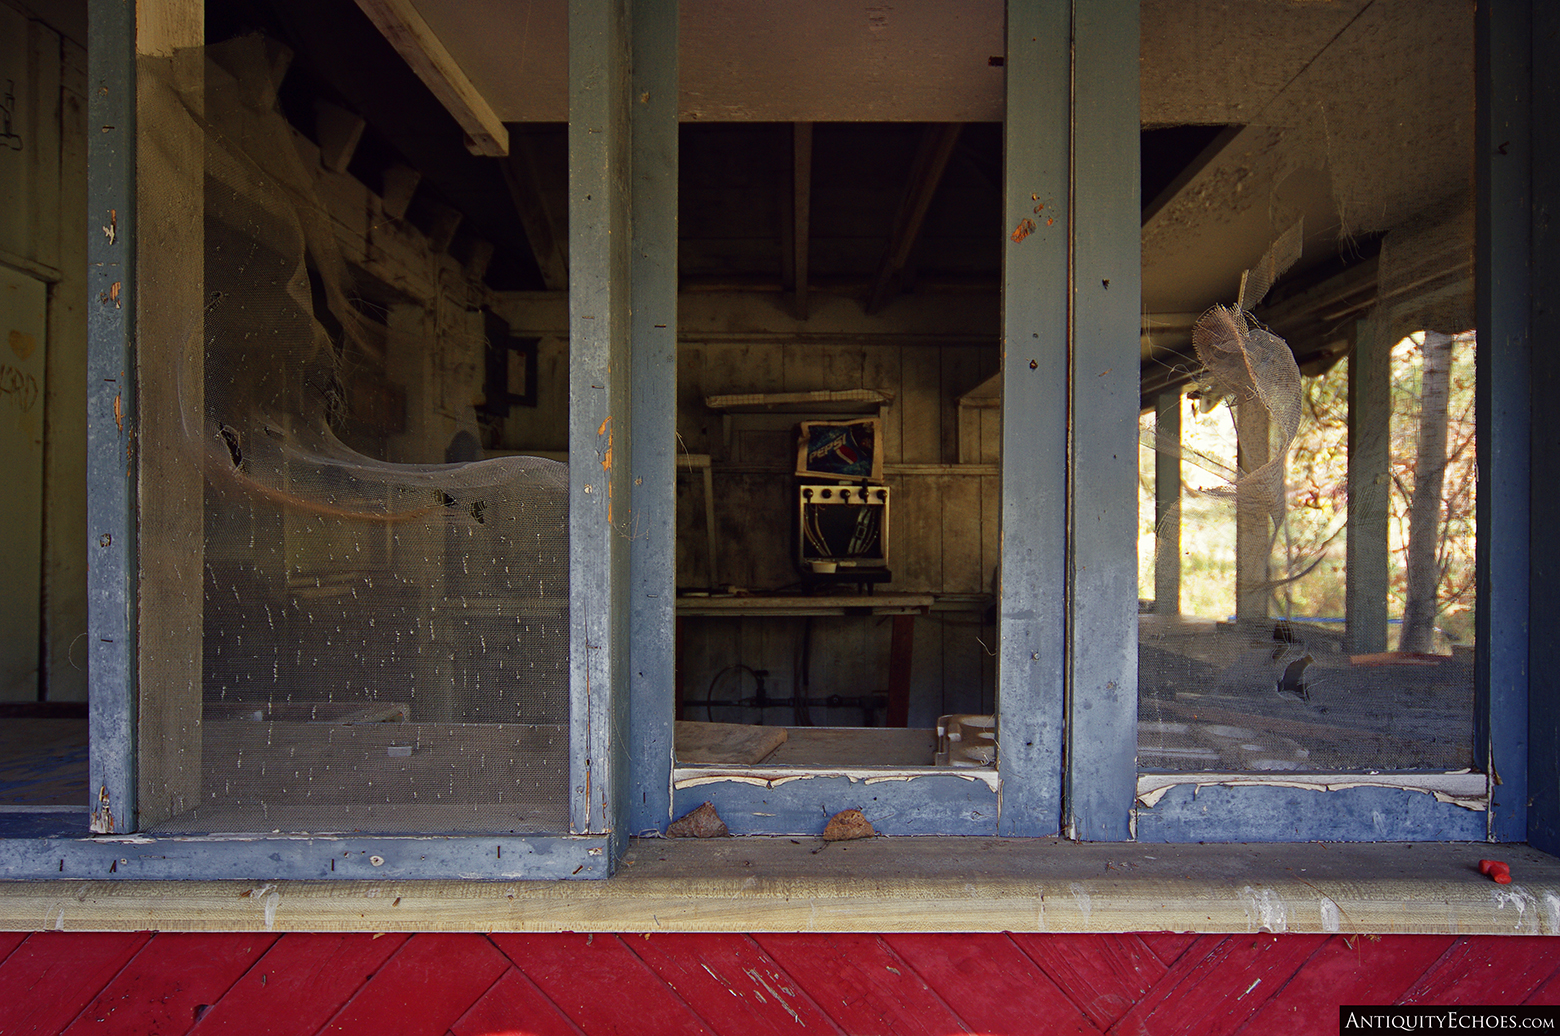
x=383, y=645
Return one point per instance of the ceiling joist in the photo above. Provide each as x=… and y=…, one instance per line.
x=406, y=31
x=545, y=231
x=926, y=172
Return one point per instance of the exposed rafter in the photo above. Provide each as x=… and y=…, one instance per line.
x=545, y=231
x=931, y=159
x=406, y=31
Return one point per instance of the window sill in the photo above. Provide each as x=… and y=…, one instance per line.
x=881, y=884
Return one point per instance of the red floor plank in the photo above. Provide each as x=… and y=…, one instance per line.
x=864, y=986
x=50, y=977
x=1488, y=969
x=8, y=942
x=1217, y=993
x=514, y=1007
x=1167, y=946
x=1103, y=974
x=431, y=980
x=300, y=983
x=171, y=981
x=599, y=985
x=1548, y=992
x=1351, y=969
x=731, y=983
x=992, y=984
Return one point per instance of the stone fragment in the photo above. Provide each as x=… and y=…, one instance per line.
x=847, y=824
x=703, y=822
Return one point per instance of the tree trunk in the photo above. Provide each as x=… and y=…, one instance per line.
x=1424, y=514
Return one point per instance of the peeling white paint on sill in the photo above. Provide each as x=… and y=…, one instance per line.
x=1460, y=788
x=774, y=777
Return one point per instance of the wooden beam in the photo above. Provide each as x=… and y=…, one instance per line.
x=395, y=192
x=1370, y=411
x=1205, y=158
x=546, y=233
x=442, y=228
x=406, y=31
x=926, y=172
x=801, y=212
x=1167, y=503
x=338, y=132
x=170, y=279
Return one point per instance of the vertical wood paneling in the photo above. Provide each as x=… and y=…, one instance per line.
x=963, y=572
x=881, y=369
x=921, y=392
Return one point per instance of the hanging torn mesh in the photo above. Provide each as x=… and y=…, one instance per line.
x=385, y=644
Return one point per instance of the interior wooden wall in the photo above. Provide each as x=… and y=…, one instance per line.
x=943, y=522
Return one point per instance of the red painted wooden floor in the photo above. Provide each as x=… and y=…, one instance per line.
x=564, y=985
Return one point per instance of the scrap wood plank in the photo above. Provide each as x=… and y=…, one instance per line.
x=737, y=987
x=1103, y=974
x=736, y=743
x=1354, y=969
x=301, y=982
x=425, y=986
x=514, y=1004
x=863, y=984
x=594, y=979
x=46, y=980
x=1216, y=993
x=993, y=984
x=170, y=982
x=1469, y=973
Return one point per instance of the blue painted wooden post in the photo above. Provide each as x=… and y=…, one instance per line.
x=652, y=648
x=1543, y=687
x=1103, y=373
x=1037, y=217
x=600, y=414
x=1506, y=286
x=111, y=414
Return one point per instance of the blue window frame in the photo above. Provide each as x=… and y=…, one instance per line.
x=1067, y=677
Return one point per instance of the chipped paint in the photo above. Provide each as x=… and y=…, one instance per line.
x=774, y=777
x=1460, y=788
x=1522, y=899
x=1083, y=899
x=1265, y=909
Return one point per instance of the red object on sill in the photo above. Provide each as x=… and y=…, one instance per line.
x=1499, y=873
